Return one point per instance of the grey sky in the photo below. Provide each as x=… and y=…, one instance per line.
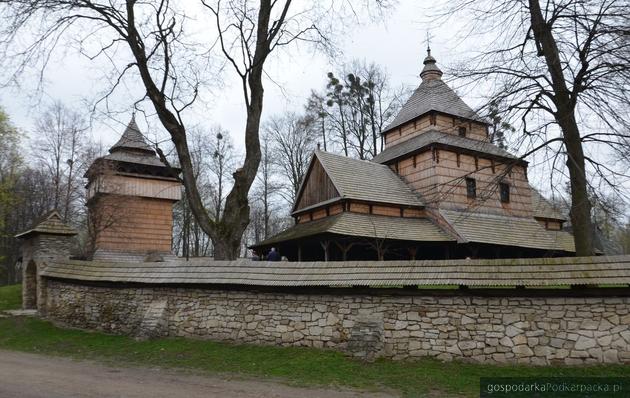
x=398, y=44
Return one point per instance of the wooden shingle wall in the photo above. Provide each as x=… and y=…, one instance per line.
x=439, y=177
x=447, y=124
x=379, y=209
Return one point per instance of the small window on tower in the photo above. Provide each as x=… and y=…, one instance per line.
x=471, y=188
x=462, y=131
x=504, y=192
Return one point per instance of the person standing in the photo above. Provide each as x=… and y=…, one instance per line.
x=273, y=255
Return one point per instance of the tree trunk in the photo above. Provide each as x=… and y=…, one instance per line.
x=565, y=116
x=324, y=133
x=344, y=134
x=227, y=247
x=227, y=232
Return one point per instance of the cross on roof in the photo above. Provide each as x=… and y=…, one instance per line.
x=429, y=37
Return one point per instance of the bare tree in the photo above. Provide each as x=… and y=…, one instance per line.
x=561, y=69
x=360, y=105
x=316, y=110
x=337, y=101
x=221, y=164
x=267, y=186
x=172, y=71
x=293, y=139
x=60, y=135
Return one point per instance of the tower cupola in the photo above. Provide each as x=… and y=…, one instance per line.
x=430, y=70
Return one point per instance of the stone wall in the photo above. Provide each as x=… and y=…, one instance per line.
x=398, y=325
x=36, y=251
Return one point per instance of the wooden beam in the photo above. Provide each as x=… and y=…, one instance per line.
x=325, y=245
x=413, y=250
x=344, y=248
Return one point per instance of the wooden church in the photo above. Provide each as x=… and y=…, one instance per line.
x=439, y=189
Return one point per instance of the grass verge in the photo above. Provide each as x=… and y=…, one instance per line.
x=296, y=366
x=10, y=297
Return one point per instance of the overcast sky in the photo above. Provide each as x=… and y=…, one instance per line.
x=397, y=44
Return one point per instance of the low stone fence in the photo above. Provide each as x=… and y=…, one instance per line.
x=537, y=329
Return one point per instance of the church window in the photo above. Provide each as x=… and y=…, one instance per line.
x=462, y=131
x=471, y=188
x=504, y=192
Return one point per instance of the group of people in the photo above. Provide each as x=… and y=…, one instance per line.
x=273, y=255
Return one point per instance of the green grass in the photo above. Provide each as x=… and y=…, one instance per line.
x=297, y=366
x=10, y=297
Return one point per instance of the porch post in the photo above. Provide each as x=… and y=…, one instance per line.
x=325, y=244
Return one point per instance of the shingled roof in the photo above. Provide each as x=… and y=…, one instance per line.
x=508, y=231
x=132, y=150
x=136, y=158
x=535, y=272
x=50, y=223
x=433, y=95
x=543, y=208
x=367, y=226
x=132, y=139
x=424, y=140
x=365, y=180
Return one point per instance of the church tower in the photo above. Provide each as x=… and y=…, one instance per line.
x=130, y=200
x=441, y=148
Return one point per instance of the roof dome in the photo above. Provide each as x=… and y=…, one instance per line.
x=430, y=70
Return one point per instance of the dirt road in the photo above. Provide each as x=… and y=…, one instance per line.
x=35, y=376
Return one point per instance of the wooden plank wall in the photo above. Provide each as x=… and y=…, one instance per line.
x=133, y=224
x=553, y=225
x=318, y=188
x=446, y=124
x=135, y=186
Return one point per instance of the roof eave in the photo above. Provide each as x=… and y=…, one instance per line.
x=472, y=152
x=23, y=235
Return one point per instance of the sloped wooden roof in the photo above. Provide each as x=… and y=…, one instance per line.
x=509, y=231
x=534, y=272
x=132, y=150
x=50, y=223
x=428, y=138
x=367, y=181
x=365, y=226
x=132, y=139
x=433, y=95
x=543, y=208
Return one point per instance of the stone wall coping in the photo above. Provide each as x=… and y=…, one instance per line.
x=534, y=272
